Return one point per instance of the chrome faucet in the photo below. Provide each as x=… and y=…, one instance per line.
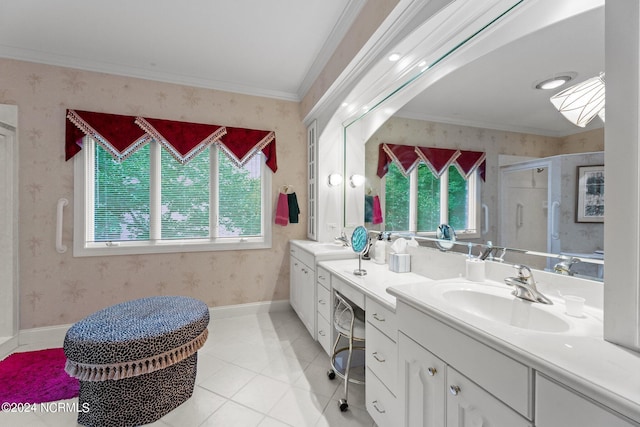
x=343, y=238
x=525, y=286
x=565, y=264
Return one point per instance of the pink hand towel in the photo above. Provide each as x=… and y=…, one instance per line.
x=377, y=212
x=282, y=210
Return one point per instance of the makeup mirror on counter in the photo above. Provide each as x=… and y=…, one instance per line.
x=524, y=193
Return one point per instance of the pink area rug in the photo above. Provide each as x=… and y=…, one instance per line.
x=36, y=377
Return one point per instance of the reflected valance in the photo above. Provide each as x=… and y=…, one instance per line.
x=406, y=157
x=122, y=135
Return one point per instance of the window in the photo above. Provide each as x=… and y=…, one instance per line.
x=421, y=201
x=151, y=203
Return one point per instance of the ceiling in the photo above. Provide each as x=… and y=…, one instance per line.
x=496, y=91
x=269, y=48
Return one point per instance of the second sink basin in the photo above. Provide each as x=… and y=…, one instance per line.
x=493, y=305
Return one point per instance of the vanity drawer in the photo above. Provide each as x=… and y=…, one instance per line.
x=381, y=404
x=324, y=334
x=302, y=255
x=324, y=302
x=324, y=278
x=382, y=357
x=505, y=378
x=345, y=289
x=382, y=318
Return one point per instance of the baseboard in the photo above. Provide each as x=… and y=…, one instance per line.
x=251, y=308
x=54, y=335
x=40, y=336
x=7, y=346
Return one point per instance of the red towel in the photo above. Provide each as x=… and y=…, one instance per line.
x=282, y=210
x=377, y=212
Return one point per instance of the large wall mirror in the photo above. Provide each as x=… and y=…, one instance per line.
x=529, y=197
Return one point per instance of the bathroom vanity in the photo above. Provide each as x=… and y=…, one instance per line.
x=456, y=353
x=306, y=293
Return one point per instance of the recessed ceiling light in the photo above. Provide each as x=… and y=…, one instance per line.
x=554, y=81
x=394, y=57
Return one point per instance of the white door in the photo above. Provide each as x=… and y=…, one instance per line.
x=8, y=241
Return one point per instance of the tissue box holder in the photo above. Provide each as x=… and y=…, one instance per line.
x=400, y=263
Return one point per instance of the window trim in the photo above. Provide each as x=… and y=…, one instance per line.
x=82, y=247
x=473, y=211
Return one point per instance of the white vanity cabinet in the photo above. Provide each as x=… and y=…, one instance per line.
x=310, y=285
x=477, y=384
x=421, y=384
x=558, y=406
x=323, y=309
x=381, y=359
x=302, y=287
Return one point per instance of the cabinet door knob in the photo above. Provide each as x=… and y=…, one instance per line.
x=378, y=318
x=377, y=406
x=379, y=358
x=321, y=332
x=454, y=389
x=432, y=371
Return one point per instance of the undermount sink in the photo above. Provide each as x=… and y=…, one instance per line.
x=505, y=309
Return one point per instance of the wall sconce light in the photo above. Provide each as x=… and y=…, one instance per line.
x=356, y=180
x=335, y=179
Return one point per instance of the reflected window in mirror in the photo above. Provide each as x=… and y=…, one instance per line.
x=420, y=201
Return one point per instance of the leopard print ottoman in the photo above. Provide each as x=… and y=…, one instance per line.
x=136, y=361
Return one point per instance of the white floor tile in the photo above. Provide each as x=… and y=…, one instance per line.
x=353, y=417
x=233, y=414
x=285, y=369
x=272, y=422
x=315, y=379
x=261, y=393
x=195, y=410
x=299, y=407
x=228, y=380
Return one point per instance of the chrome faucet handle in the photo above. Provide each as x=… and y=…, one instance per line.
x=524, y=273
x=525, y=286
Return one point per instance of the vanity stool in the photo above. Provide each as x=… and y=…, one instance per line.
x=348, y=321
x=136, y=361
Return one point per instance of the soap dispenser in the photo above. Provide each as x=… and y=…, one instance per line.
x=380, y=250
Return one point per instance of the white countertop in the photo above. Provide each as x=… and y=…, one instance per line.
x=375, y=283
x=579, y=357
x=321, y=250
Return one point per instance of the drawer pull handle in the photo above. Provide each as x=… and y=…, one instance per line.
x=454, y=390
x=375, y=405
x=321, y=277
x=378, y=358
x=321, y=301
x=378, y=318
x=321, y=332
x=432, y=371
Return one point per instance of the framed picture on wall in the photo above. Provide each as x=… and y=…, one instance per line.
x=590, y=194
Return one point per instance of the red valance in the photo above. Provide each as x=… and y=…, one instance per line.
x=438, y=160
x=405, y=157
x=183, y=140
x=122, y=135
x=117, y=134
x=469, y=161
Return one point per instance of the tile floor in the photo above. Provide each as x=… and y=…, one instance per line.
x=258, y=370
